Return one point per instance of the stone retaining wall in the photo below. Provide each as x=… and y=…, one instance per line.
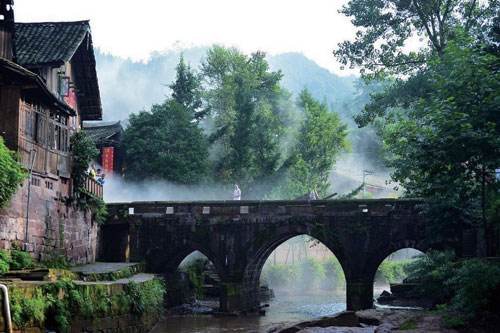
x=54, y=226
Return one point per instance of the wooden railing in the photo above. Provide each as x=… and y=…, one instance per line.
x=92, y=187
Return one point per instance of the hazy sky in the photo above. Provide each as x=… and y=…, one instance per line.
x=135, y=28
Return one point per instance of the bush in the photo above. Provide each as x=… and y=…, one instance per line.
x=12, y=174
x=147, y=298
x=466, y=291
x=476, y=286
x=4, y=261
x=57, y=262
x=28, y=310
x=195, y=271
x=20, y=260
x=432, y=271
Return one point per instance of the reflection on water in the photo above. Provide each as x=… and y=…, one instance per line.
x=283, y=310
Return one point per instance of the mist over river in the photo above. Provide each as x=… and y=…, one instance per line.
x=283, y=310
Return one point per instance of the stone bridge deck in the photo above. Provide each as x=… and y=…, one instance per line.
x=238, y=237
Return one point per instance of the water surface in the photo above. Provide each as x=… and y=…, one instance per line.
x=283, y=310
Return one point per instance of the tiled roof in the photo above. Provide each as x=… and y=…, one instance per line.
x=48, y=42
x=103, y=132
x=18, y=73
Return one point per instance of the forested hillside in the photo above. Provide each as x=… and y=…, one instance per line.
x=128, y=86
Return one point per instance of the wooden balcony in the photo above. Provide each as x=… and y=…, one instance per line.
x=92, y=187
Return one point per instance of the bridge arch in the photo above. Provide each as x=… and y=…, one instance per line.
x=377, y=257
x=255, y=264
x=158, y=261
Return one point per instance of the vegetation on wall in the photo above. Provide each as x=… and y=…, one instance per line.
x=15, y=260
x=12, y=174
x=83, y=153
x=56, y=305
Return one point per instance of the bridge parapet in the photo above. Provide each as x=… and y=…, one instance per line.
x=245, y=209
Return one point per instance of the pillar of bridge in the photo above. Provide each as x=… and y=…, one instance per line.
x=238, y=297
x=359, y=294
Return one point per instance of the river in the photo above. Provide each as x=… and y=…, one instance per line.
x=283, y=310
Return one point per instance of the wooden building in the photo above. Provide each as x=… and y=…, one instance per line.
x=48, y=87
x=108, y=138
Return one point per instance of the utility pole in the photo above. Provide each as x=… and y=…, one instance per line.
x=366, y=173
x=32, y=162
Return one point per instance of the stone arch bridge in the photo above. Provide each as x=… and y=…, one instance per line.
x=238, y=237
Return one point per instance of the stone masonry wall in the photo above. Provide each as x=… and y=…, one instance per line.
x=54, y=226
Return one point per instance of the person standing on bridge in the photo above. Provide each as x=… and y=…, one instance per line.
x=236, y=192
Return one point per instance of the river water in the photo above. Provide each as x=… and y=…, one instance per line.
x=284, y=309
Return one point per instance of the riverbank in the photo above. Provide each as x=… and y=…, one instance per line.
x=372, y=321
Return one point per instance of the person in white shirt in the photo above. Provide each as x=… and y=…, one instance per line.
x=236, y=192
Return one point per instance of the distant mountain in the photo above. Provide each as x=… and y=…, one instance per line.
x=127, y=86
x=300, y=72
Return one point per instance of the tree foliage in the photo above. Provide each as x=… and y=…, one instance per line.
x=165, y=144
x=387, y=29
x=439, y=115
x=186, y=89
x=321, y=138
x=386, y=26
x=244, y=100
x=447, y=146
x=236, y=109
x=12, y=174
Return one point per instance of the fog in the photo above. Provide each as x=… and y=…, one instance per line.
x=129, y=87
x=303, y=266
x=116, y=189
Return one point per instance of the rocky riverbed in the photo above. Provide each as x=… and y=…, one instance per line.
x=372, y=321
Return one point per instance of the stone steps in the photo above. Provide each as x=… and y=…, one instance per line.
x=104, y=271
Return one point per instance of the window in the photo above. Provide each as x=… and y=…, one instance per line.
x=63, y=86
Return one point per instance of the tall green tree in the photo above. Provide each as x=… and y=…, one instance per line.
x=244, y=98
x=447, y=146
x=166, y=144
x=186, y=89
x=322, y=136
